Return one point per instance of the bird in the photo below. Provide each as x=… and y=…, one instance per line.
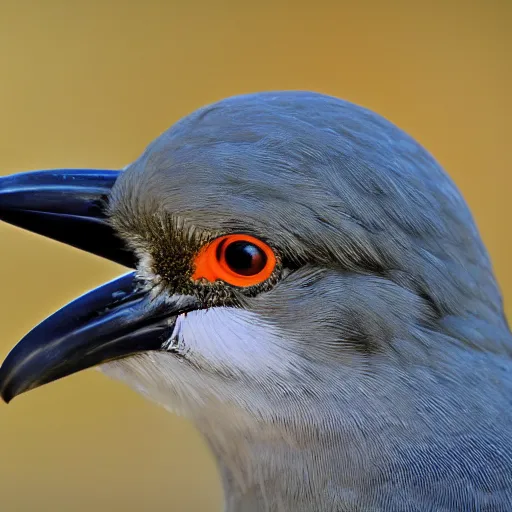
x=308, y=287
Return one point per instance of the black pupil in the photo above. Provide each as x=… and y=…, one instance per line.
x=245, y=258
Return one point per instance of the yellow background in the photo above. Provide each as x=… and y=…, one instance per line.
x=91, y=83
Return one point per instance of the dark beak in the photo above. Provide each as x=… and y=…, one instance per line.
x=113, y=321
x=67, y=205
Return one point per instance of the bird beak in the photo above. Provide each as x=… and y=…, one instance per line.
x=67, y=205
x=113, y=321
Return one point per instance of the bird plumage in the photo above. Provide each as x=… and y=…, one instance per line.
x=372, y=371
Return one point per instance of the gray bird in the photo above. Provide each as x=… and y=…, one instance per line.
x=310, y=290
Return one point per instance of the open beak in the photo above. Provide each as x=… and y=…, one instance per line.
x=113, y=321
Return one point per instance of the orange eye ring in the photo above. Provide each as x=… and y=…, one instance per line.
x=239, y=260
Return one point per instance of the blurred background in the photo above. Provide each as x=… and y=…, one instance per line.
x=87, y=84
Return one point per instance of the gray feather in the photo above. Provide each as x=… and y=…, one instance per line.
x=392, y=389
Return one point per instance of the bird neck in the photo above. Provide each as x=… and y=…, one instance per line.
x=263, y=477
x=373, y=450
x=266, y=473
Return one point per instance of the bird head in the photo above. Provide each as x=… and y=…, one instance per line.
x=302, y=267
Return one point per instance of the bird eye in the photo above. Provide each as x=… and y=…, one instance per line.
x=239, y=260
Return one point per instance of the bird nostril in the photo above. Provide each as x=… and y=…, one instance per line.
x=99, y=206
